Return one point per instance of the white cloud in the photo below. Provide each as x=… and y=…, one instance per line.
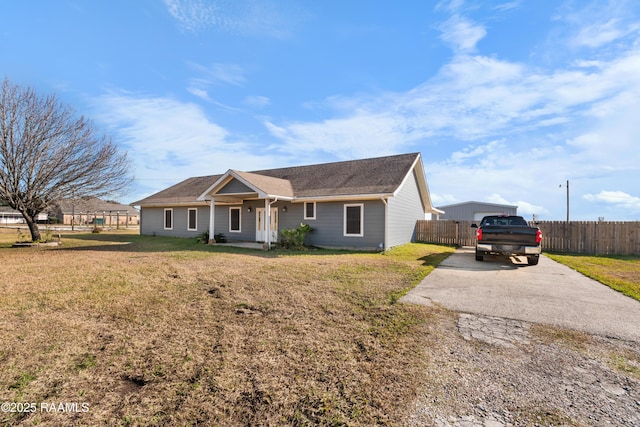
x=449, y=5
x=353, y=137
x=524, y=208
x=516, y=121
x=443, y=199
x=599, y=34
x=490, y=149
x=618, y=198
x=242, y=17
x=462, y=34
x=214, y=75
x=199, y=92
x=507, y=6
x=498, y=199
x=169, y=140
x=515, y=131
x=598, y=23
x=218, y=74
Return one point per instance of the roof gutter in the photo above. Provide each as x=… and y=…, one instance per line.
x=341, y=197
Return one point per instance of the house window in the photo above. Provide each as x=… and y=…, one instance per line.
x=168, y=219
x=309, y=210
x=354, y=220
x=234, y=220
x=192, y=219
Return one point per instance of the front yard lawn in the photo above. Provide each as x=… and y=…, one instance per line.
x=153, y=331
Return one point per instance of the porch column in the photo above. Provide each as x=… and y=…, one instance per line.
x=212, y=217
x=267, y=221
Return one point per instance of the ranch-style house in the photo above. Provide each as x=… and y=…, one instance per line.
x=359, y=204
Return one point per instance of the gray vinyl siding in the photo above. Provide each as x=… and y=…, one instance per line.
x=152, y=221
x=404, y=210
x=247, y=231
x=328, y=227
x=235, y=187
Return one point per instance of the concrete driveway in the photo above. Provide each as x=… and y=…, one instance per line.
x=548, y=293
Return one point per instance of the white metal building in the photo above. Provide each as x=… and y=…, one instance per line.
x=474, y=211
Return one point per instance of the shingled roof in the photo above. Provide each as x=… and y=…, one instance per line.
x=376, y=176
x=92, y=204
x=186, y=191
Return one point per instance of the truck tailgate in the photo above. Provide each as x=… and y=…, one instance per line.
x=509, y=235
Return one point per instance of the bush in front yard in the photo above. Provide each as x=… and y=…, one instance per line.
x=293, y=238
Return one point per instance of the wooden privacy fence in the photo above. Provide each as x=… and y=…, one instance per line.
x=446, y=232
x=591, y=237
x=582, y=237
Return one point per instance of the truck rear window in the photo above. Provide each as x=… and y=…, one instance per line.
x=504, y=220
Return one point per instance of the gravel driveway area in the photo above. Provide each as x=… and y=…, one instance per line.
x=518, y=345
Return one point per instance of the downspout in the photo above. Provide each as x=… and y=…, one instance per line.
x=212, y=215
x=267, y=219
x=386, y=222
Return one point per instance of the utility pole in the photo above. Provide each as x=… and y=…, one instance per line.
x=567, y=201
x=567, y=186
x=566, y=227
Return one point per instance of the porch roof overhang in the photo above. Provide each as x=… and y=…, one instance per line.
x=258, y=186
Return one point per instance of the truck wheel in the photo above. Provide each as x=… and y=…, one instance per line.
x=533, y=259
x=479, y=256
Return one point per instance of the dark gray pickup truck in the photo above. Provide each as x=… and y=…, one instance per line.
x=507, y=235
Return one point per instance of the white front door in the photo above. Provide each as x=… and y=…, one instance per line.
x=261, y=228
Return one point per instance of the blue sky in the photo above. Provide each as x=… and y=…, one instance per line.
x=505, y=100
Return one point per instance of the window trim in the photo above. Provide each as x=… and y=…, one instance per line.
x=314, y=210
x=239, y=209
x=195, y=221
x=351, y=205
x=164, y=218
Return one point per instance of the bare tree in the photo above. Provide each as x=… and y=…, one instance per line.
x=47, y=153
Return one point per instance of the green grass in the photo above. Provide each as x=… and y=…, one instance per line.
x=621, y=273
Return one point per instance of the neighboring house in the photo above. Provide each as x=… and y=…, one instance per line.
x=11, y=216
x=92, y=210
x=366, y=204
x=474, y=211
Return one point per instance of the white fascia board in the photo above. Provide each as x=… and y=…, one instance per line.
x=231, y=174
x=224, y=180
x=173, y=204
x=342, y=198
x=220, y=180
x=423, y=187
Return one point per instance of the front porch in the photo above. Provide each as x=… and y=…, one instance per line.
x=249, y=205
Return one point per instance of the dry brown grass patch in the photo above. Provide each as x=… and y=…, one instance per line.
x=170, y=332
